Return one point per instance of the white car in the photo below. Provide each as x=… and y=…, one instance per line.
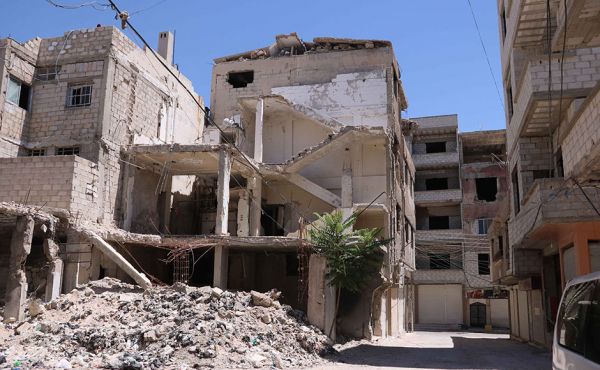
x=576, y=344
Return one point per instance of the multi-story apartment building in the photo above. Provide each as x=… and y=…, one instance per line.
x=551, y=72
x=460, y=184
x=69, y=105
x=102, y=136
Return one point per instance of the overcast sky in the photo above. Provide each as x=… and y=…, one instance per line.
x=444, y=70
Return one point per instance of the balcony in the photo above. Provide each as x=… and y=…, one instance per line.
x=581, y=153
x=549, y=202
x=438, y=197
x=435, y=160
x=526, y=22
x=455, y=235
x=439, y=276
x=583, y=24
x=533, y=109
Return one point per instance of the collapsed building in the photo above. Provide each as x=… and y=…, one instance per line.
x=69, y=105
x=117, y=170
x=460, y=186
x=551, y=71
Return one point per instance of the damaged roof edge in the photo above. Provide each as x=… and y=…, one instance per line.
x=319, y=44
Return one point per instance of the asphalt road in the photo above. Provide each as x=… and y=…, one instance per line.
x=440, y=350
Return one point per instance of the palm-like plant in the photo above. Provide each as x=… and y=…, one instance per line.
x=352, y=255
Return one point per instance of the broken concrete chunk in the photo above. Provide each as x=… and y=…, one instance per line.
x=260, y=299
x=36, y=307
x=216, y=292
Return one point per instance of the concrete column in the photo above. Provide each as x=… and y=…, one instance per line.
x=347, y=188
x=243, y=212
x=16, y=284
x=221, y=267
x=165, y=216
x=76, y=270
x=321, y=296
x=223, y=193
x=255, y=187
x=55, y=270
x=258, y=131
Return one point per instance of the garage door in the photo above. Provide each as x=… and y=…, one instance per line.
x=440, y=304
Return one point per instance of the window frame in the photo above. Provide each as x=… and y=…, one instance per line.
x=81, y=96
x=12, y=81
x=74, y=150
x=480, y=260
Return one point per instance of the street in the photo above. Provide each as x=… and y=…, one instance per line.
x=441, y=350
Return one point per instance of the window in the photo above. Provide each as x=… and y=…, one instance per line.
x=483, y=224
x=439, y=222
x=79, y=96
x=516, y=193
x=437, y=147
x=240, y=79
x=579, y=320
x=503, y=22
x=18, y=93
x=439, y=261
x=47, y=73
x=569, y=265
x=483, y=263
x=71, y=150
x=36, y=152
x=594, y=249
x=501, y=245
x=486, y=187
x=436, y=184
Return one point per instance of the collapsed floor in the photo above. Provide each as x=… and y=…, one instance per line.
x=111, y=324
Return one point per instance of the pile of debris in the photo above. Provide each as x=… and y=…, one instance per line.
x=114, y=325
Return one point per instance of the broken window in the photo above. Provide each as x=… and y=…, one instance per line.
x=483, y=224
x=487, y=187
x=483, y=263
x=503, y=22
x=436, y=147
x=79, y=96
x=436, y=184
x=240, y=79
x=69, y=150
x=439, y=261
x=36, y=152
x=439, y=222
x=18, y=93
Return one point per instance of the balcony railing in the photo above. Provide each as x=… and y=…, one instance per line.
x=551, y=201
x=449, y=196
x=433, y=160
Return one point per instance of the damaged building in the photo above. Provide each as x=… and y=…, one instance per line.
x=69, y=106
x=117, y=170
x=551, y=71
x=460, y=185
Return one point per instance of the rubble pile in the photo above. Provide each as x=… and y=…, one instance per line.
x=114, y=325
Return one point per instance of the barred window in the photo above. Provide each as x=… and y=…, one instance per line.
x=79, y=96
x=70, y=150
x=36, y=152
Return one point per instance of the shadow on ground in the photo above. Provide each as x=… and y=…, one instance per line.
x=467, y=353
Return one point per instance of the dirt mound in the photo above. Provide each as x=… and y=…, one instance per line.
x=113, y=325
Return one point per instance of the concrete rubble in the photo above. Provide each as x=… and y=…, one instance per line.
x=114, y=325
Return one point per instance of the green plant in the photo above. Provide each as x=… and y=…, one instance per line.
x=352, y=255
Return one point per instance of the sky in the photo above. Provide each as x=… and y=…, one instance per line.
x=443, y=66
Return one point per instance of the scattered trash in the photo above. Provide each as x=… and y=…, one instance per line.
x=114, y=325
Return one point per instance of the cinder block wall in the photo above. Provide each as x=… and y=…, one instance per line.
x=67, y=182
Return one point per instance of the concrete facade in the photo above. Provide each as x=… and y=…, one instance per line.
x=460, y=186
x=551, y=81
x=69, y=105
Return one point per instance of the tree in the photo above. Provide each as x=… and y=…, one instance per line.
x=352, y=256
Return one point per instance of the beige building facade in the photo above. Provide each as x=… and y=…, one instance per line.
x=551, y=69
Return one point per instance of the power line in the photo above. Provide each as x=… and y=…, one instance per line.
x=487, y=58
x=94, y=4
